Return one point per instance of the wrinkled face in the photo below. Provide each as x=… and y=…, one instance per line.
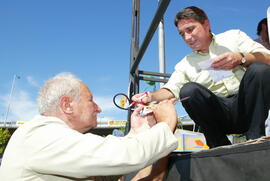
x=195, y=34
x=85, y=111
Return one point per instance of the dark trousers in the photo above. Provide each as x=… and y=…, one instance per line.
x=244, y=112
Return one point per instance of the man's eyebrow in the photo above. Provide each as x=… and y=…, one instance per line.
x=180, y=32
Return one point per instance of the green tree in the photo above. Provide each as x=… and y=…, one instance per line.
x=4, y=138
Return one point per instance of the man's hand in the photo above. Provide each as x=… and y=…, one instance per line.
x=166, y=112
x=140, y=99
x=140, y=123
x=227, y=60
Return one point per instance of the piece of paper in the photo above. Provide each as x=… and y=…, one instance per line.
x=216, y=74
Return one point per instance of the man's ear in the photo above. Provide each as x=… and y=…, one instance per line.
x=206, y=24
x=66, y=104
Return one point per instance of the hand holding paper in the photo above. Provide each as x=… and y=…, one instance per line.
x=217, y=74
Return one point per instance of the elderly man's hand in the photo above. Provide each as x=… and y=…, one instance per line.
x=166, y=112
x=140, y=123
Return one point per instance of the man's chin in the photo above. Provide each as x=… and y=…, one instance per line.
x=193, y=47
x=95, y=125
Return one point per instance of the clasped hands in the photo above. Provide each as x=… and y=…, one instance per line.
x=161, y=112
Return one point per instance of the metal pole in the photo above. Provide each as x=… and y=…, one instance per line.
x=133, y=86
x=161, y=49
x=9, y=98
x=154, y=24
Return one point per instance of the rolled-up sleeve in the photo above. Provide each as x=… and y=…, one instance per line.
x=246, y=44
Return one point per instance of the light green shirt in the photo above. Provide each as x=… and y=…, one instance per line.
x=188, y=70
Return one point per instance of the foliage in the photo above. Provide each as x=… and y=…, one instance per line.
x=4, y=138
x=123, y=129
x=149, y=82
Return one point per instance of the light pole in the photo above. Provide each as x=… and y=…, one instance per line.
x=10, y=96
x=161, y=48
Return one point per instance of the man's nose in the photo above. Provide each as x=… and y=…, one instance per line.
x=98, y=109
x=187, y=37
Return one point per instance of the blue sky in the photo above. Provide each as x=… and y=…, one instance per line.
x=91, y=39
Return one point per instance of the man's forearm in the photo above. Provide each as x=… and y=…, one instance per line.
x=256, y=57
x=161, y=95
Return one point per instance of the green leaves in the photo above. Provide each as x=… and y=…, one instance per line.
x=4, y=137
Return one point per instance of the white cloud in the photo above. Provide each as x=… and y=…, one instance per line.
x=31, y=81
x=106, y=103
x=109, y=110
x=22, y=107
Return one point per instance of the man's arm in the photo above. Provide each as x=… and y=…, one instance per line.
x=80, y=156
x=229, y=60
x=159, y=95
x=252, y=51
x=256, y=57
x=157, y=171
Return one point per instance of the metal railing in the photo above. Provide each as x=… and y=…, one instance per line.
x=137, y=52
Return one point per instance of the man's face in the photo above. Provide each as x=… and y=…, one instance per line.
x=85, y=111
x=195, y=34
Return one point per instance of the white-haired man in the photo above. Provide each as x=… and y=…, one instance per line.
x=55, y=145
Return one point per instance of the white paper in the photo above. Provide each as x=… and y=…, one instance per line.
x=217, y=74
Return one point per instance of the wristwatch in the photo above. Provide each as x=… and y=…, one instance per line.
x=243, y=60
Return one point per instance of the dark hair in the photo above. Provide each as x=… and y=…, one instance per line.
x=191, y=12
x=259, y=27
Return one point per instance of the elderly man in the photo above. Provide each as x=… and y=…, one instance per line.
x=227, y=78
x=53, y=145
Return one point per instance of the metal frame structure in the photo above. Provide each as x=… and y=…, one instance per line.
x=137, y=52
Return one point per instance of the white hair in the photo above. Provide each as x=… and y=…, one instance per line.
x=63, y=84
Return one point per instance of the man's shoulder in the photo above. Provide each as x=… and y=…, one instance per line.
x=232, y=38
x=182, y=62
x=187, y=62
x=39, y=123
x=233, y=32
x=42, y=120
